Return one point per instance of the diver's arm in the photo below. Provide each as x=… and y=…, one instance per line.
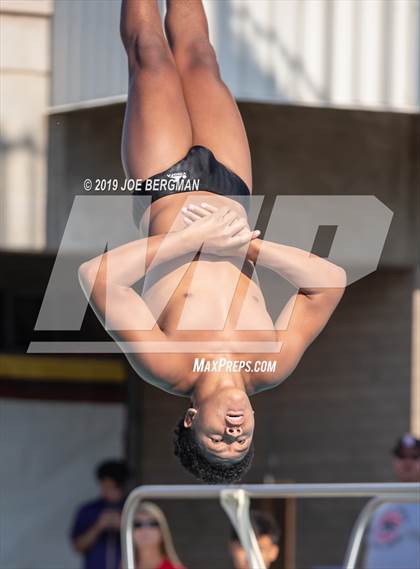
x=321, y=285
x=127, y=264
x=299, y=267
x=106, y=281
x=308, y=311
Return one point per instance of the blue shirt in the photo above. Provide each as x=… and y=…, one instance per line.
x=105, y=553
x=393, y=540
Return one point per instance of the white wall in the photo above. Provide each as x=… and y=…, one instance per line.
x=48, y=452
x=349, y=53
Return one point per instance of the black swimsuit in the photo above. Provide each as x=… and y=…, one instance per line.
x=198, y=170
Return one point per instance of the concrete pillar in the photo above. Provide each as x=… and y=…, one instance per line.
x=415, y=357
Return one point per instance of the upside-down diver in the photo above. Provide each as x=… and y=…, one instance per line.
x=182, y=122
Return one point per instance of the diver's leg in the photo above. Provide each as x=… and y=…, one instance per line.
x=157, y=128
x=215, y=117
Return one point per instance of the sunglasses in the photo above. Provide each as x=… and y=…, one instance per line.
x=146, y=524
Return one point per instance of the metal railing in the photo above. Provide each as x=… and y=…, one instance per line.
x=359, y=528
x=389, y=492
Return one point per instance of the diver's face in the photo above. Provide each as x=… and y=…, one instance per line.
x=223, y=425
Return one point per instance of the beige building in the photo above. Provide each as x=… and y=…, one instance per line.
x=25, y=85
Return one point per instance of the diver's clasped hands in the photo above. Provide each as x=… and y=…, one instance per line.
x=217, y=231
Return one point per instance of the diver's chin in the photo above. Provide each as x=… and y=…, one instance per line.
x=237, y=398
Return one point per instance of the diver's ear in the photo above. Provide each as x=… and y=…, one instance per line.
x=189, y=417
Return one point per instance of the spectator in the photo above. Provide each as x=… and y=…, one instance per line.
x=96, y=526
x=393, y=540
x=153, y=545
x=268, y=535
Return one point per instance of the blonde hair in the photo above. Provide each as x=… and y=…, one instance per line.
x=167, y=545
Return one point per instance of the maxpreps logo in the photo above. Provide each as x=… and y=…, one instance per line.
x=178, y=182
x=177, y=176
x=361, y=222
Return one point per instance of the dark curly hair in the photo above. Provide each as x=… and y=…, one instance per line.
x=192, y=458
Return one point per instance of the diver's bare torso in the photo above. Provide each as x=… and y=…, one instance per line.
x=209, y=299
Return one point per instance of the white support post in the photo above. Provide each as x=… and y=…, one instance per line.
x=235, y=503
